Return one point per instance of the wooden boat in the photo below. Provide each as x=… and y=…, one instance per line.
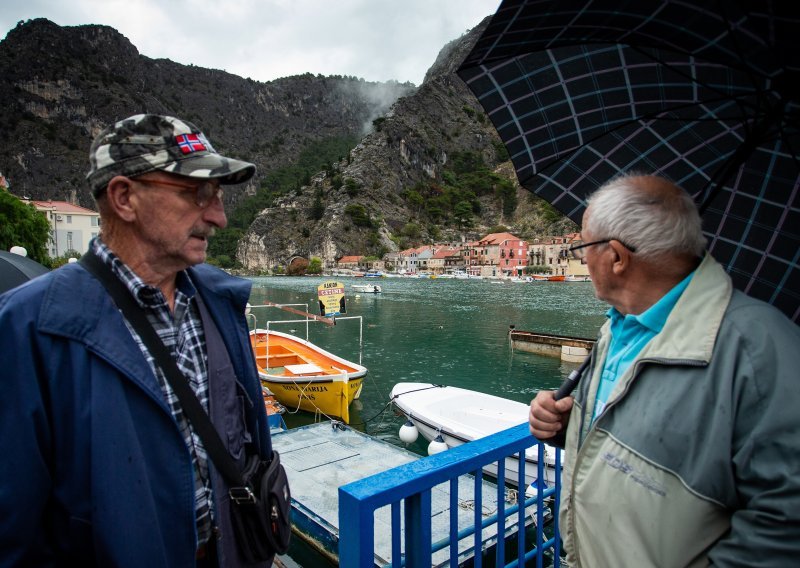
x=305, y=376
x=462, y=415
x=274, y=409
x=367, y=288
x=556, y=278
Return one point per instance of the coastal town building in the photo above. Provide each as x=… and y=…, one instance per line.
x=498, y=255
x=71, y=226
x=424, y=256
x=445, y=259
x=392, y=261
x=349, y=262
x=409, y=261
x=553, y=253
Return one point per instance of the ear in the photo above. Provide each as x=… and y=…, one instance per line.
x=621, y=257
x=119, y=192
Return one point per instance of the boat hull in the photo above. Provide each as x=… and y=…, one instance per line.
x=304, y=376
x=462, y=415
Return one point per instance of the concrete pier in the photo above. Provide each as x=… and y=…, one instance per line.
x=572, y=349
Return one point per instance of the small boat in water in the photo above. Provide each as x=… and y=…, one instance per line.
x=305, y=376
x=367, y=288
x=461, y=415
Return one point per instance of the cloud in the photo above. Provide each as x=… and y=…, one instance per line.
x=378, y=40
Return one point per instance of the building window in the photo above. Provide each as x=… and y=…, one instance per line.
x=69, y=239
x=95, y=221
x=69, y=218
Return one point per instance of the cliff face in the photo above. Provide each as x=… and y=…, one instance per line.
x=64, y=84
x=413, y=143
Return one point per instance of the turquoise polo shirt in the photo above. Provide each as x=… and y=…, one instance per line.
x=629, y=335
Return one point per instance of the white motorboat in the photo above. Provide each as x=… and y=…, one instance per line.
x=462, y=415
x=367, y=288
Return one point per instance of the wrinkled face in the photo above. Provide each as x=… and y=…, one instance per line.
x=173, y=227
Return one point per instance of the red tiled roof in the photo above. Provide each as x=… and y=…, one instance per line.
x=445, y=252
x=62, y=207
x=496, y=238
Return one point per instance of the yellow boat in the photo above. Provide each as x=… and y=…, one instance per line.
x=303, y=375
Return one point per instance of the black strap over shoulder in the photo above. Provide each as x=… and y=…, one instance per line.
x=163, y=358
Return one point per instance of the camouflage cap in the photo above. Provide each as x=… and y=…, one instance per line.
x=149, y=142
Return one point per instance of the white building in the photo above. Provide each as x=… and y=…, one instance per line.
x=71, y=226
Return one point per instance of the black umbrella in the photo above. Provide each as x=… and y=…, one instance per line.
x=703, y=92
x=16, y=270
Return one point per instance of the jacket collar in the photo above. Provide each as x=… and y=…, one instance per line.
x=77, y=307
x=691, y=329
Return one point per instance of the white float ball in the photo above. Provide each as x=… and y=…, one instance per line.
x=437, y=445
x=409, y=432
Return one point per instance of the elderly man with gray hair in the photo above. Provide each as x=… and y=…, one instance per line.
x=682, y=436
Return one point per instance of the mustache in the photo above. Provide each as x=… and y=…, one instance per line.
x=203, y=233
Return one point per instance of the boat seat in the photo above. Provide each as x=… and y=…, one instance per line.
x=286, y=359
x=304, y=369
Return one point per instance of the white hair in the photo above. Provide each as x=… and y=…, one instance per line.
x=648, y=213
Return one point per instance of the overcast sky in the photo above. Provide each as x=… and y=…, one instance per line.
x=378, y=40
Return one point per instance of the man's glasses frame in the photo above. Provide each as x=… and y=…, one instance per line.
x=578, y=251
x=204, y=193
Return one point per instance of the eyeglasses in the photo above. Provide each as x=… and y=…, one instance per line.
x=578, y=251
x=203, y=193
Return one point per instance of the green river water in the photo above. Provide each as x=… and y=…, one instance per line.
x=445, y=331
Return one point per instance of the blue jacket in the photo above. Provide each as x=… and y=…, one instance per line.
x=93, y=468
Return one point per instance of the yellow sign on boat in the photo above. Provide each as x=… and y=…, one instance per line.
x=331, y=298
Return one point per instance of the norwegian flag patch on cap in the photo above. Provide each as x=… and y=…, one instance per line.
x=189, y=143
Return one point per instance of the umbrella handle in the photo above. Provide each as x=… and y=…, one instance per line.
x=572, y=380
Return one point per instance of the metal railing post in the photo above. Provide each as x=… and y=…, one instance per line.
x=418, y=530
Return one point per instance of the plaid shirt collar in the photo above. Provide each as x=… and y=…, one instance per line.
x=145, y=295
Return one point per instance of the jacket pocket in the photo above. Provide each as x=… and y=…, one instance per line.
x=231, y=402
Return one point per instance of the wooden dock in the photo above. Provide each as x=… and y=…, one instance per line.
x=572, y=349
x=321, y=457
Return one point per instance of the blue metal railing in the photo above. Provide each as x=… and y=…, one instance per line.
x=407, y=489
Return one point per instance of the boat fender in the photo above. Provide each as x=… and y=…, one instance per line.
x=437, y=445
x=408, y=432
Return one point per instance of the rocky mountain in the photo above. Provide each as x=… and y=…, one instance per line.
x=412, y=144
x=64, y=84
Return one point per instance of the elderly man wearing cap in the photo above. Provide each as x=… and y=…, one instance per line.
x=100, y=464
